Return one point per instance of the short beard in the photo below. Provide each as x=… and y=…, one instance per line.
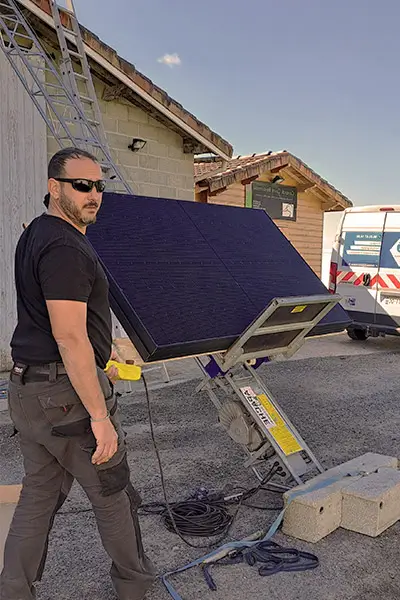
x=73, y=213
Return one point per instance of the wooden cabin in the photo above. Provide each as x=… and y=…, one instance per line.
x=294, y=196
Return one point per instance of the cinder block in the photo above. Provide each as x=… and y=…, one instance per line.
x=137, y=115
x=146, y=189
x=169, y=165
x=52, y=145
x=176, y=181
x=118, y=141
x=185, y=194
x=158, y=178
x=156, y=149
x=372, y=504
x=315, y=514
x=171, y=140
x=175, y=151
x=147, y=132
x=115, y=110
x=148, y=162
x=129, y=128
x=167, y=192
x=127, y=158
x=110, y=125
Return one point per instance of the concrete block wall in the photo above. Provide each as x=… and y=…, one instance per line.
x=161, y=168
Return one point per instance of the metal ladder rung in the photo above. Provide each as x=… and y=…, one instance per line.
x=65, y=10
x=76, y=54
x=70, y=31
x=59, y=102
x=22, y=36
x=86, y=99
x=80, y=76
x=74, y=120
x=91, y=141
x=10, y=18
x=55, y=85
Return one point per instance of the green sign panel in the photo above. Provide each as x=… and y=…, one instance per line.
x=279, y=201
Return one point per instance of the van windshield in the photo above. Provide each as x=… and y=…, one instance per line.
x=361, y=248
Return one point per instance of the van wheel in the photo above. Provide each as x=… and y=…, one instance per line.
x=360, y=335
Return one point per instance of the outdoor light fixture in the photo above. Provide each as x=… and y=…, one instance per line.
x=277, y=179
x=137, y=144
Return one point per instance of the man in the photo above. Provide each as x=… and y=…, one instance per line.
x=60, y=399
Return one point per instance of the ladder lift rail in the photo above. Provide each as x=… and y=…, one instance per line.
x=54, y=99
x=87, y=99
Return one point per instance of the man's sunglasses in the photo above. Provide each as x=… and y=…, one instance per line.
x=84, y=185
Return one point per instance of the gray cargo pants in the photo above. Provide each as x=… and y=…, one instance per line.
x=57, y=444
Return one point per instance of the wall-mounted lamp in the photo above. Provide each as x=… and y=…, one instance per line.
x=277, y=179
x=137, y=144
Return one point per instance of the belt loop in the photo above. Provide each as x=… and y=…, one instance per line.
x=53, y=372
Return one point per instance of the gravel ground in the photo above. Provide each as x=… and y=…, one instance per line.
x=343, y=407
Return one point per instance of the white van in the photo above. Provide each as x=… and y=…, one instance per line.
x=365, y=269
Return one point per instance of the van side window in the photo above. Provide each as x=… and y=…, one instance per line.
x=361, y=249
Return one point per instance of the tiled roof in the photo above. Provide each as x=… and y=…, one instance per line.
x=217, y=175
x=203, y=168
x=168, y=109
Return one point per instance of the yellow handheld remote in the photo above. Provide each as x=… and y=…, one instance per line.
x=125, y=372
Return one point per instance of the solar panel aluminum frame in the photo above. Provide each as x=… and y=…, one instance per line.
x=237, y=352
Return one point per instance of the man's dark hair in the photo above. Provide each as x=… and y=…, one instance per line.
x=58, y=161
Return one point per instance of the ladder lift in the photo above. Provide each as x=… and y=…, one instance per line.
x=246, y=408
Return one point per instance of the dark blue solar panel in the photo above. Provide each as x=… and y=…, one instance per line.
x=264, y=261
x=188, y=278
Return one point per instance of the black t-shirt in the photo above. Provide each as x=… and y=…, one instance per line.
x=55, y=261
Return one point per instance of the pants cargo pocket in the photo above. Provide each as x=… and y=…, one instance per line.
x=114, y=478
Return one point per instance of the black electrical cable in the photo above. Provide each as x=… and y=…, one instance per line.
x=225, y=521
x=196, y=518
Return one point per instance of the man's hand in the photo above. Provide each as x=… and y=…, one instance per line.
x=107, y=441
x=112, y=373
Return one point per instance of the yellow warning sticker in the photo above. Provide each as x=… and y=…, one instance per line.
x=299, y=309
x=279, y=431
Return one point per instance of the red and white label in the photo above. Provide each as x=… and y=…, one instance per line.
x=383, y=280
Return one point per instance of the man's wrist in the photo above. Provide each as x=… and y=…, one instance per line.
x=100, y=419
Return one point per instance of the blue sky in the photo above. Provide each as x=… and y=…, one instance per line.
x=318, y=78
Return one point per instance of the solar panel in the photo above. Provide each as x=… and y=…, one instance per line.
x=188, y=278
